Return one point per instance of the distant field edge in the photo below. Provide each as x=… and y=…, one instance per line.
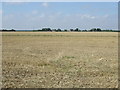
x=60, y=89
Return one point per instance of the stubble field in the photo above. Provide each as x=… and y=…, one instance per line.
x=60, y=59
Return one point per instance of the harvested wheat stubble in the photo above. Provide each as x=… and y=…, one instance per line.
x=60, y=60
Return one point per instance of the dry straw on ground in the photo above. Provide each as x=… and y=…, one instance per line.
x=60, y=60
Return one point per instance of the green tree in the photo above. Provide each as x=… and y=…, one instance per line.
x=98, y=29
x=59, y=30
x=71, y=30
x=93, y=29
x=65, y=30
x=46, y=29
x=76, y=29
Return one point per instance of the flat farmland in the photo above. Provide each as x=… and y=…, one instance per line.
x=60, y=59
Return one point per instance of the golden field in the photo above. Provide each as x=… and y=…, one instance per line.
x=60, y=59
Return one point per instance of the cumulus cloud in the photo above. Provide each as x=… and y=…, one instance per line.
x=59, y=20
x=35, y=12
x=61, y=0
x=87, y=16
x=14, y=3
x=17, y=1
x=106, y=16
x=42, y=15
x=1, y=11
x=45, y=4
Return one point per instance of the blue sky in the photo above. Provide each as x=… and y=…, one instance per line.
x=0, y=15
x=64, y=15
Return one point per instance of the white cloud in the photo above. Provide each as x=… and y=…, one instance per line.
x=105, y=16
x=59, y=13
x=17, y=1
x=45, y=4
x=14, y=3
x=60, y=0
x=42, y=15
x=59, y=20
x=87, y=16
x=35, y=12
x=1, y=11
x=93, y=17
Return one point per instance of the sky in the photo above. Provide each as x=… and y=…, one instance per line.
x=64, y=15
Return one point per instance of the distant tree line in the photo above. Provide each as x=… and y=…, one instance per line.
x=73, y=30
x=5, y=30
x=65, y=30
